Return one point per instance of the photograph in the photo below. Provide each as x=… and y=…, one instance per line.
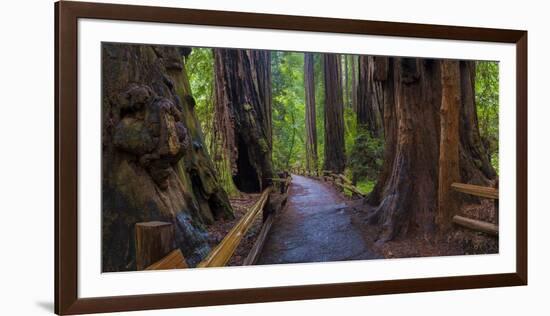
x=216, y=157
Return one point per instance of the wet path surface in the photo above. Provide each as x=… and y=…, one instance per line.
x=315, y=227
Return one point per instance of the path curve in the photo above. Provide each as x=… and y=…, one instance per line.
x=316, y=226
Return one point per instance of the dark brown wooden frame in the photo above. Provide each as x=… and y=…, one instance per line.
x=66, y=158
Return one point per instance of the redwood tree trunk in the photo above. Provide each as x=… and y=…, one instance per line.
x=155, y=166
x=448, y=200
x=311, y=128
x=334, y=115
x=353, y=83
x=370, y=101
x=243, y=114
x=406, y=193
x=475, y=165
x=408, y=184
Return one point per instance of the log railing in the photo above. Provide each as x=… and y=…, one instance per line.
x=483, y=192
x=337, y=179
x=153, y=233
x=220, y=255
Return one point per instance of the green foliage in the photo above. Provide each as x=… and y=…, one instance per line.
x=366, y=186
x=288, y=117
x=200, y=68
x=487, y=96
x=366, y=156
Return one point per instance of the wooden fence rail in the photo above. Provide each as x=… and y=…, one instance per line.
x=480, y=191
x=152, y=235
x=220, y=255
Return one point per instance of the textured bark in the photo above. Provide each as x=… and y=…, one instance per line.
x=406, y=193
x=370, y=102
x=475, y=165
x=335, y=158
x=154, y=164
x=311, y=128
x=448, y=199
x=408, y=184
x=354, y=83
x=243, y=114
x=384, y=68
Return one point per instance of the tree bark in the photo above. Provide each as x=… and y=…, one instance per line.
x=334, y=115
x=354, y=83
x=243, y=114
x=311, y=127
x=406, y=193
x=370, y=101
x=407, y=187
x=448, y=201
x=155, y=166
x=475, y=166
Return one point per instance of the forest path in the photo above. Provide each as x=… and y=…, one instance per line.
x=316, y=226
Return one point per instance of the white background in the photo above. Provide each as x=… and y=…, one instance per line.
x=26, y=123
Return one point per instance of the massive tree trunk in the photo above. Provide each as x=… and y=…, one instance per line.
x=475, y=165
x=311, y=128
x=370, y=95
x=243, y=114
x=406, y=194
x=335, y=158
x=409, y=181
x=154, y=163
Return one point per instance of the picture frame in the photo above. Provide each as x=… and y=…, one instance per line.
x=67, y=15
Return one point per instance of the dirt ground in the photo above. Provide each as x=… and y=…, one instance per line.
x=460, y=241
x=219, y=229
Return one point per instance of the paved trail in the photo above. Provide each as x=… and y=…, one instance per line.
x=315, y=227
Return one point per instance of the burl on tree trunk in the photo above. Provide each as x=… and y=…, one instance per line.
x=406, y=193
x=243, y=114
x=154, y=164
x=335, y=157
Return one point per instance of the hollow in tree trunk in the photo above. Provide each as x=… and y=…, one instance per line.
x=243, y=114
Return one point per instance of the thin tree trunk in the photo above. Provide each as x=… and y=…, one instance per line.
x=243, y=114
x=448, y=200
x=311, y=128
x=334, y=115
x=353, y=83
x=369, y=102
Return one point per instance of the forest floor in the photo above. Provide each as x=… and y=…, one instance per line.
x=321, y=224
x=218, y=230
x=460, y=241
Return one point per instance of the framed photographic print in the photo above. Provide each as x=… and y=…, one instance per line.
x=209, y=157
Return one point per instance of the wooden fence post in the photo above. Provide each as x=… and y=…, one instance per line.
x=154, y=240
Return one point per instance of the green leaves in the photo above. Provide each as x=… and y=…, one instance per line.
x=288, y=109
x=487, y=103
